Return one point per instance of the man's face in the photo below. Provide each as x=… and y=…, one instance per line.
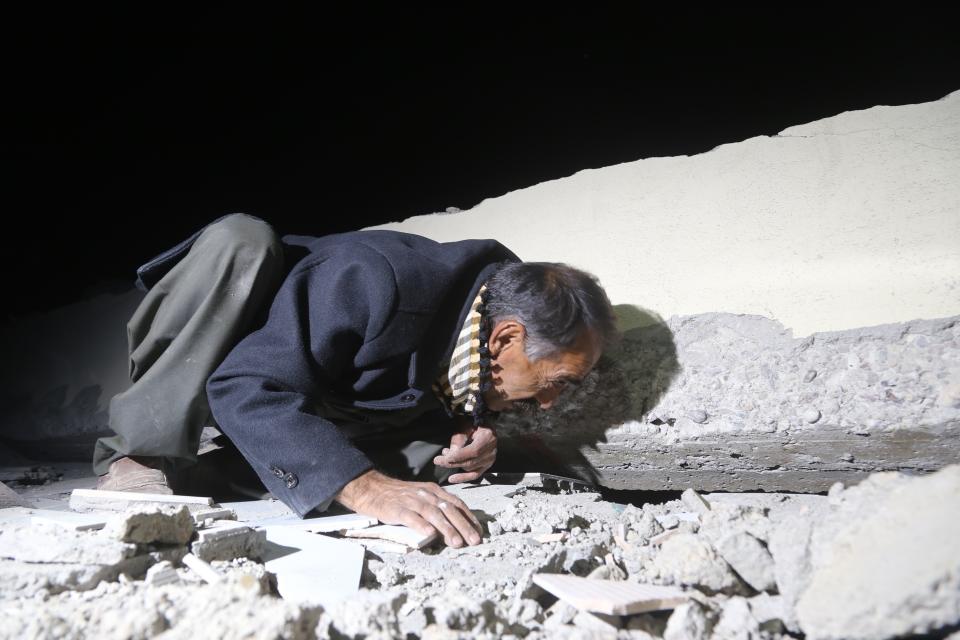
x=521, y=384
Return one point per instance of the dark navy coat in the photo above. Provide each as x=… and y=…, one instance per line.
x=357, y=334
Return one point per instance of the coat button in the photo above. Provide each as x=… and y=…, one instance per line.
x=277, y=471
x=408, y=397
x=292, y=480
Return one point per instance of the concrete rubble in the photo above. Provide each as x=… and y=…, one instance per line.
x=874, y=560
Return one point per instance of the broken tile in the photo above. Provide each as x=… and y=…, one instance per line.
x=610, y=597
x=312, y=568
x=201, y=516
x=331, y=524
x=202, y=569
x=226, y=540
x=395, y=533
x=96, y=500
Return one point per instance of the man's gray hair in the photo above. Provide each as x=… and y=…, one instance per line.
x=553, y=301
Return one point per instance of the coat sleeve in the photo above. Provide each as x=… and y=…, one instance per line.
x=262, y=395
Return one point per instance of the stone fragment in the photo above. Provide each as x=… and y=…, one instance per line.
x=690, y=621
x=227, y=540
x=153, y=525
x=750, y=559
x=687, y=559
x=736, y=621
x=811, y=415
x=367, y=614
x=697, y=415
x=809, y=375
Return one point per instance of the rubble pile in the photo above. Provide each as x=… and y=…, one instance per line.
x=875, y=560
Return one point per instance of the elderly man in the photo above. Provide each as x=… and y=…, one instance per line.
x=338, y=365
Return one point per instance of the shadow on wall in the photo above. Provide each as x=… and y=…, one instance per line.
x=629, y=380
x=59, y=373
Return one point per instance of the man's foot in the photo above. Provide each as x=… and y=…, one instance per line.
x=141, y=475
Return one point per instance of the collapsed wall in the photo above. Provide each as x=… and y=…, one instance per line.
x=792, y=269
x=725, y=402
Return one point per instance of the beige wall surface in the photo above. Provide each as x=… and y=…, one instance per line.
x=849, y=221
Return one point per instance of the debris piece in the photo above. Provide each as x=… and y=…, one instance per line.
x=10, y=498
x=312, y=568
x=563, y=484
x=97, y=500
x=608, y=596
x=202, y=569
x=694, y=501
x=750, y=559
x=226, y=540
x=69, y=519
x=376, y=545
x=690, y=621
x=202, y=515
x=689, y=560
x=658, y=539
x=50, y=544
x=394, y=533
x=332, y=524
x=160, y=574
x=155, y=524
x=547, y=538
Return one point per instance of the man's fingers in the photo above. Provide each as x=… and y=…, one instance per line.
x=465, y=477
x=459, y=440
x=412, y=519
x=449, y=498
x=455, y=458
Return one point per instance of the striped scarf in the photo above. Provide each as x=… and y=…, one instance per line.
x=461, y=386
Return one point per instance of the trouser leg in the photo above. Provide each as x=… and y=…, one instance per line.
x=182, y=331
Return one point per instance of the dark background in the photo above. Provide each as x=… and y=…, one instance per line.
x=126, y=132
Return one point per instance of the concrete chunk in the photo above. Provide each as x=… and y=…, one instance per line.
x=687, y=559
x=750, y=559
x=228, y=540
x=153, y=525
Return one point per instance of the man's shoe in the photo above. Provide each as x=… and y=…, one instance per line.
x=141, y=475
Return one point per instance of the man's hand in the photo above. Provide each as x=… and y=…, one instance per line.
x=424, y=506
x=474, y=458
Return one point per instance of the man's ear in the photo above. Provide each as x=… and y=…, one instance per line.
x=507, y=334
